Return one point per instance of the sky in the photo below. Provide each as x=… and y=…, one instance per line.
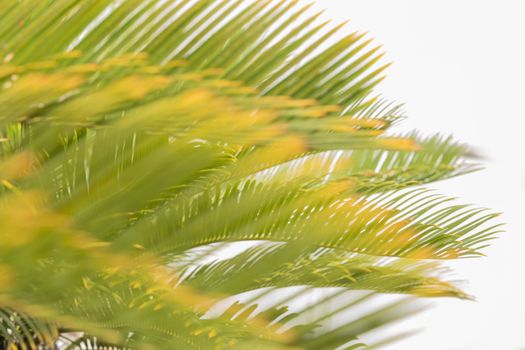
x=459, y=68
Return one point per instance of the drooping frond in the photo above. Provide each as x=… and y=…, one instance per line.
x=141, y=138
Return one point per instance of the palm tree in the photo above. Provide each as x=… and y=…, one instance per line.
x=178, y=174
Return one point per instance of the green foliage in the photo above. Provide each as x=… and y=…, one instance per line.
x=160, y=157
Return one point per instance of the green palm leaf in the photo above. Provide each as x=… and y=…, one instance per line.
x=159, y=158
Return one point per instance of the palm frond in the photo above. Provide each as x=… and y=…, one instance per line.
x=141, y=138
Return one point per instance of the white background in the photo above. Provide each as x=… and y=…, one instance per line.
x=459, y=67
